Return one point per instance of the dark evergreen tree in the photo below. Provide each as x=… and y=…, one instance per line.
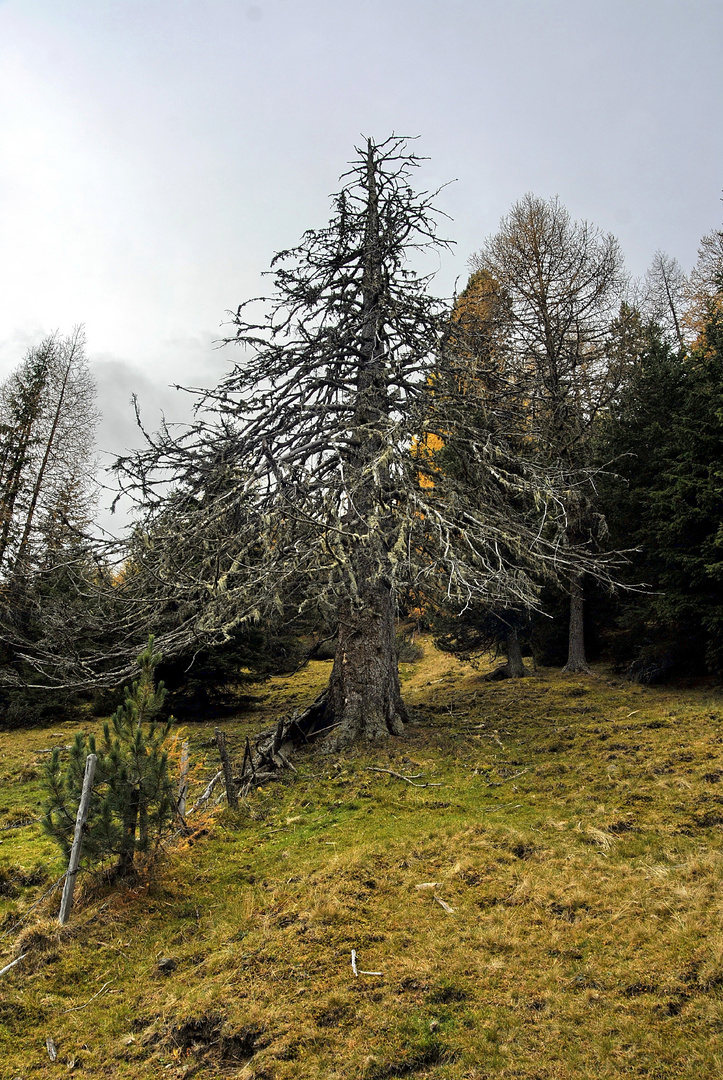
x=666, y=438
x=484, y=630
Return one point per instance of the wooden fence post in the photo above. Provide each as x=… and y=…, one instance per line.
x=183, y=783
x=227, y=774
x=67, y=902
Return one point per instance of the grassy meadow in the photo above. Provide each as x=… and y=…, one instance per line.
x=569, y=923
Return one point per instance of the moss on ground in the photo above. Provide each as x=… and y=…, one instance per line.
x=574, y=837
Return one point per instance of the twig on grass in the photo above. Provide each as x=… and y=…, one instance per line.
x=443, y=904
x=13, y=963
x=77, y=1008
x=507, y=779
x=358, y=971
x=399, y=776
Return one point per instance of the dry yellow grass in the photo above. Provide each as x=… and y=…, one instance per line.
x=576, y=838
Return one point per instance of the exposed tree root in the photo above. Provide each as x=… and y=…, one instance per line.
x=504, y=671
x=577, y=667
x=271, y=753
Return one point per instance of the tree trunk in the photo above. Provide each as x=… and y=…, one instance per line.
x=126, y=856
x=576, y=660
x=364, y=696
x=515, y=667
x=23, y=418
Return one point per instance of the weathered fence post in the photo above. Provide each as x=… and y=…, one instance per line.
x=183, y=783
x=67, y=902
x=227, y=774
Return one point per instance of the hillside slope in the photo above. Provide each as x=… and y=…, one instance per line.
x=569, y=924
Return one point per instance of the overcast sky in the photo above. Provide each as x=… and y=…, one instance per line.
x=154, y=154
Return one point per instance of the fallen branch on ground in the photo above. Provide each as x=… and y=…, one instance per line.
x=399, y=776
x=493, y=809
x=507, y=779
x=77, y=1008
x=271, y=756
x=207, y=793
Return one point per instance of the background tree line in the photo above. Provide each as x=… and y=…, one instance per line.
x=377, y=453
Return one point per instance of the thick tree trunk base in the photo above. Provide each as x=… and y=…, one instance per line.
x=577, y=667
x=270, y=757
x=507, y=671
x=365, y=700
x=362, y=702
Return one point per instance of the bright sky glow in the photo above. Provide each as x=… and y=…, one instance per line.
x=154, y=154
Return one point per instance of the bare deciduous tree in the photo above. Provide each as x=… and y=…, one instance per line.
x=561, y=283
x=47, y=431
x=47, y=490
x=704, y=291
x=664, y=296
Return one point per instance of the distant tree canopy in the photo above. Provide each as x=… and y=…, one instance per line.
x=47, y=433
